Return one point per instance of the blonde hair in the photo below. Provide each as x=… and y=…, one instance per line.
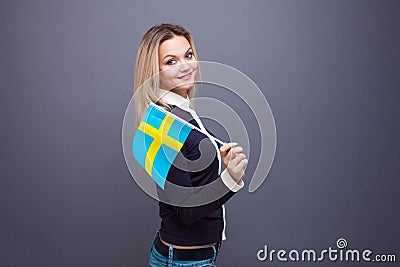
x=146, y=80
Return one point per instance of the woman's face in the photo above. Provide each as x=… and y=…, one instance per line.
x=178, y=65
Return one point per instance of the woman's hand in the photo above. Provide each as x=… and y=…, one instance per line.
x=234, y=160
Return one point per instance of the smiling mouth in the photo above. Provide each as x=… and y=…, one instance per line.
x=185, y=77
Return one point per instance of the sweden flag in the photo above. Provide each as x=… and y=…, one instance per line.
x=158, y=141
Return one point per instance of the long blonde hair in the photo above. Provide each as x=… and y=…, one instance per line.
x=146, y=80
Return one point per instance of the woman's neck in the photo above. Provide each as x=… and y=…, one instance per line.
x=182, y=93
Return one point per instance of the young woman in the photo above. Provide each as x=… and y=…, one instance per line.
x=188, y=236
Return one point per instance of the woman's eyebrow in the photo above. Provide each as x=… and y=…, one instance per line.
x=174, y=55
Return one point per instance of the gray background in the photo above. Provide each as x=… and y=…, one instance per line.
x=328, y=68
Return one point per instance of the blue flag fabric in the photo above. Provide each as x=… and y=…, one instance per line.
x=158, y=140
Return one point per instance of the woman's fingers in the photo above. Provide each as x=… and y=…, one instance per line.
x=242, y=164
x=237, y=159
x=241, y=167
x=234, y=160
x=235, y=150
x=227, y=146
x=237, y=166
x=231, y=153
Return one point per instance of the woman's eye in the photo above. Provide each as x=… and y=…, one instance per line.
x=189, y=55
x=171, y=62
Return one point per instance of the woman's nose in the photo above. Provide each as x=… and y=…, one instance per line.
x=184, y=67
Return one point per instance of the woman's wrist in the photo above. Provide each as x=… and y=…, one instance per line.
x=230, y=182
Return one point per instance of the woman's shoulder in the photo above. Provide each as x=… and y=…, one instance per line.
x=179, y=112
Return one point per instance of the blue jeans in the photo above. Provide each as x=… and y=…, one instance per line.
x=158, y=260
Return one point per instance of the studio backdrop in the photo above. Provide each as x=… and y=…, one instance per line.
x=329, y=71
